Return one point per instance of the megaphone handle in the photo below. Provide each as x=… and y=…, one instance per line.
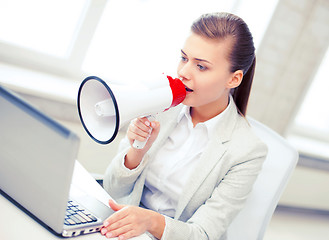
x=138, y=144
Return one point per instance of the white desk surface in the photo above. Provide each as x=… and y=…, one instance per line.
x=15, y=224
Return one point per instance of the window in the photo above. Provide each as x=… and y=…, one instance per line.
x=46, y=35
x=314, y=114
x=310, y=129
x=144, y=38
x=40, y=25
x=117, y=39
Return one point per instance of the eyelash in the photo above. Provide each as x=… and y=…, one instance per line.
x=184, y=59
x=200, y=67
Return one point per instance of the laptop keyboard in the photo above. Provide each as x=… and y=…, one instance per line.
x=75, y=214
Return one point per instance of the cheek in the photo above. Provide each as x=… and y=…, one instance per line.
x=212, y=84
x=212, y=90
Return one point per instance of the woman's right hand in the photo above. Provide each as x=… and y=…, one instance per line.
x=140, y=129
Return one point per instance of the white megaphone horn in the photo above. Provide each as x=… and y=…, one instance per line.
x=103, y=107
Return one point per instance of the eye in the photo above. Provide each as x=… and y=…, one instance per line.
x=183, y=59
x=201, y=67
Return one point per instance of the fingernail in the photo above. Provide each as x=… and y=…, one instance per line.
x=109, y=234
x=106, y=223
x=147, y=123
x=103, y=231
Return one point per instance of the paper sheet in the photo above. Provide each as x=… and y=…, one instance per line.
x=84, y=183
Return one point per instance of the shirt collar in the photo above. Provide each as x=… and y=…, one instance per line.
x=185, y=111
x=211, y=123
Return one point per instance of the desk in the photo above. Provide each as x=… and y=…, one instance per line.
x=15, y=224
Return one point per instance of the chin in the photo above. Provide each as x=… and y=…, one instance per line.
x=189, y=104
x=186, y=102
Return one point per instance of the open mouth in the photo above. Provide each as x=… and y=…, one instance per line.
x=188, y=89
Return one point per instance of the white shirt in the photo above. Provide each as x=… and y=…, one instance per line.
x=171, y=167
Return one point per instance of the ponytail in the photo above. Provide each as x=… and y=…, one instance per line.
x=241, y=93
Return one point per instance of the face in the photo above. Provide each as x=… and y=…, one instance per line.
x=205, y=70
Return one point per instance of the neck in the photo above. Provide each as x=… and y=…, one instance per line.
x=204, y=113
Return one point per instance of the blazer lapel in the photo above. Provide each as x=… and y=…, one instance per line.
x=210, y=157
x=213, y=153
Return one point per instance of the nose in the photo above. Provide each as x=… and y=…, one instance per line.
x=184, y=72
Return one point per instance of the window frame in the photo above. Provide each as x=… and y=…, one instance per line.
x=69, y=66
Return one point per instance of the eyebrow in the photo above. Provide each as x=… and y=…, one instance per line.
x=198, y=59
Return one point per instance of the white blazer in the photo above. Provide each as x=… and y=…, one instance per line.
x=216, y=190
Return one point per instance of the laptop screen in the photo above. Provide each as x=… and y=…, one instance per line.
x=37, y=157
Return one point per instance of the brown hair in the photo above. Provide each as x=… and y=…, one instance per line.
x=242, y=57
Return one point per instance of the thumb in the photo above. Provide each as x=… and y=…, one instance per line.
x=155, y=125
x=115, y=206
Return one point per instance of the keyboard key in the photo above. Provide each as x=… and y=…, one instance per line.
x=75, y=214
x=75, y=219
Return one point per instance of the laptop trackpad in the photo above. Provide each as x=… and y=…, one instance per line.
x=95, y=206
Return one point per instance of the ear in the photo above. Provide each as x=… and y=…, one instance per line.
x=236, y=79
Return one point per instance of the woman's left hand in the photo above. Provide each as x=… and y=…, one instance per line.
x=131, y=221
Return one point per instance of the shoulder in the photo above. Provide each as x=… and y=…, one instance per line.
x=245, y=142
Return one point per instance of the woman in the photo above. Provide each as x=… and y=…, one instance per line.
x=194, y=175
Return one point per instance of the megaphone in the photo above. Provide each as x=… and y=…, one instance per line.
x=103, y=107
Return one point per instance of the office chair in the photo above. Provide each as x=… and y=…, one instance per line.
x=253, y=219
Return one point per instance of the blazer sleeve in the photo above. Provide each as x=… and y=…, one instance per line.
x=212, y=218
x=119, y=181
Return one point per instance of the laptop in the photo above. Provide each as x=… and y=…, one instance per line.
x=37, y=157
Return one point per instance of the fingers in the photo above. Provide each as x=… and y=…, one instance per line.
x=140, y=129
x=116, y=216
x=125, y=232
x=116, y=229
x=128, y=222
x=121, y=227
x=115, y=225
